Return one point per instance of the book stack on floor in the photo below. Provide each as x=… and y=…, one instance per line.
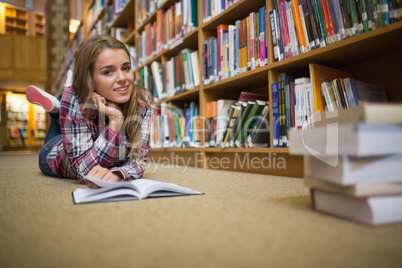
x=353, y=163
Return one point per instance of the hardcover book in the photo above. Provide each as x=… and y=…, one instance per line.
x=373, y=210
x=352, y=139
x=349, y=170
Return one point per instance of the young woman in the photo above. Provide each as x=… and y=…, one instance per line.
x=105, y=119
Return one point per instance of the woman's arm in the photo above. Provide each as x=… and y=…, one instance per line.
x=136, y=160
x=87, y=143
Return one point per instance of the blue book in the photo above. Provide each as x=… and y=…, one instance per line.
x=215, y=59
x=275, y=115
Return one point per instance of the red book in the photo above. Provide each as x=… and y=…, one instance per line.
x=248, y=96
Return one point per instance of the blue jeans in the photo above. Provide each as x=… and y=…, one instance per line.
x=53, y=137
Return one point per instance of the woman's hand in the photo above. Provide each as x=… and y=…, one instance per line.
x=110, y=109
x=103, y=174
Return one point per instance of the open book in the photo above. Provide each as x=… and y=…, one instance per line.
x=134, y=190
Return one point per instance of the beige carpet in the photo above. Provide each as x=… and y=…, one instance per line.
x=243, y=220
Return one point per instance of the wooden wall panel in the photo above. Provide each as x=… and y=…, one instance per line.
x=23, y=58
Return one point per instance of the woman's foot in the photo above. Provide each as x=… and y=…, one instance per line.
x=38, y=96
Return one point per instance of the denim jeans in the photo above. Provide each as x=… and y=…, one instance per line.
x=53, y=137
x=46, y=149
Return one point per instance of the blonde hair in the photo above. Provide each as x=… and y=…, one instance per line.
x=84, y=86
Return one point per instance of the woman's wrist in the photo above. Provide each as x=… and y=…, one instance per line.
x=115, y=123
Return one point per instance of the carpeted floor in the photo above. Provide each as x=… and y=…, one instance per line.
x=242, y=220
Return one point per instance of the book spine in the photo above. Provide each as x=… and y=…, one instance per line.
x=275, y=115
x=274, y=33
x=309, y=97
x=237, y=43
x=346, y=17
x=321, y=23
x=328, y=21
x=307, y=27
x=299, y=26
x=284, y=29
x=279, y=31
x=313, y=18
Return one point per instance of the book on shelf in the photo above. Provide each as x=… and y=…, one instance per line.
x=260, y=135
x=223, y=108
x=249, y=96
x=211, y=109
x=156, y=68
x=195, y=68
x=368, y=113
x=275, y=114
x=320, y=74
x=364, y=189
x=247, y=122
x=231, y=124
x=371, y=210
x=300, y=100
x=352, y=139
x=348, y=170
x=357, y=91
x=284, y=96
x=124, y=191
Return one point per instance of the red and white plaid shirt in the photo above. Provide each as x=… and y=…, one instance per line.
x=90, y=142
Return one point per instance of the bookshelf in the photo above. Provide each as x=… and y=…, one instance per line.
x=37, y=23
x=372, y=56
x=14, y=20
x=21, y=21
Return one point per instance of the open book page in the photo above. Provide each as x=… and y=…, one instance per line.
x=104, y=195
x=137, y=189
x=150, y=188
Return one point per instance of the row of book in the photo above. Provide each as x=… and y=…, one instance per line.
x=146, y=8
x=298, y=102
x=185, y=9
x=212, y=8
x=226, y=123
x=298, y=26
x=176, y=127
x=178, y=74
x=353, y=168
x=102, y=13
x=237, y=123
x=237, y=48
x=167, y=30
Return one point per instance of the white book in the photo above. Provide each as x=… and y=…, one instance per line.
x=373, y=210
x=348, y=170
x=124, y=191
x=171, y=88
x=357, y=190
x=231, y=50
x=223, y=107
x=350, y=139
x=300, y=111
x=309, y=103
x=156, y=68
x=196, y=69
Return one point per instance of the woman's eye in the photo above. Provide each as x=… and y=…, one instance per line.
x=127, y=68
x=107, y=72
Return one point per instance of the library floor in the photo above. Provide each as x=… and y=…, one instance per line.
x=242, y=220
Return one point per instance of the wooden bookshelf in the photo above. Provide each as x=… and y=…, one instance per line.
x=374, y=56
x=37, y=23
x=14, y=19
x=18, y=20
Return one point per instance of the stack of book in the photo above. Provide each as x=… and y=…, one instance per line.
x=353, y=163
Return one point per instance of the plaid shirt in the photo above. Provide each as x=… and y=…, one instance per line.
x=87, y=143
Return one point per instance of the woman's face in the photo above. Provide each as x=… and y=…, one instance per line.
x=113, y=76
